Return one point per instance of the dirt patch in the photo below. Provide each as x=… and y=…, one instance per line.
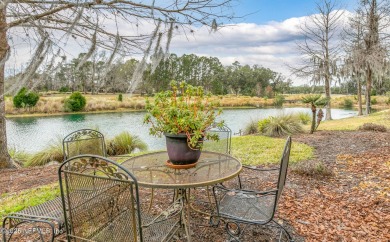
x=14, y=180
x=351, y=205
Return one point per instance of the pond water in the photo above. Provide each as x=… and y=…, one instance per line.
x=32, y=134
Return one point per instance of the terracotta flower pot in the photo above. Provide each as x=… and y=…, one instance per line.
x=179, y=152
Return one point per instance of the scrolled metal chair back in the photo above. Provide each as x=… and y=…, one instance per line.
x=223, y=145
x=84, y=141
x=100, y=200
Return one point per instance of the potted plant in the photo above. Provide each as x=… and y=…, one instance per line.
x=183, y=114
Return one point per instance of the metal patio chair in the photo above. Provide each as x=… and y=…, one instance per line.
x=101, y=202
x=223, y=145
x=45, y=221
x=255, y=199
x=84, y=141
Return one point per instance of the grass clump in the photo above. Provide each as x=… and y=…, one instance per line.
x=53, y=152
x=259, y=150
x=125, y=143
x=373, y=127
x=312, y=168
x=15, y=202
x=303, y=117
x=252, y=127
x=281, y=125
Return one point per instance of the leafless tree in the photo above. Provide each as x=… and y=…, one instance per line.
x=116, y=26
x=320, y=48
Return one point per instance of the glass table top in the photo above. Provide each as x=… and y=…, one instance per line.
x=212, y=168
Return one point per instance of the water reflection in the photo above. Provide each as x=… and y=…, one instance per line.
x=32, y=134
x=74, y=117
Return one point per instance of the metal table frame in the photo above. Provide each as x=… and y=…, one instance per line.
x=212, y=168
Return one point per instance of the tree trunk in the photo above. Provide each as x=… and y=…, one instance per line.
x=359, y=96
x=313, y=119
x=327, y=94
x=368, y=90
x=5, y=159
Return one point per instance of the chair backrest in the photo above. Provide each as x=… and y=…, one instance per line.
x=84, y=141
x=223, y=145
x=100, y=200
x=283, y=168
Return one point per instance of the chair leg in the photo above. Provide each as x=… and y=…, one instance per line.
x=283, y=230
x=234, y=231
x=13, y=227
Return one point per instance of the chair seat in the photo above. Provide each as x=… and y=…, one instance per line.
x=247, y=207
x=50, y=211
x=121, y=229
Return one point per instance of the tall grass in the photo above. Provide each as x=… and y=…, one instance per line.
x=52, y=152
x=125, y=143
x=252, y=127
x=281, y=125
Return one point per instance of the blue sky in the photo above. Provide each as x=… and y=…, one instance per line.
x=264, y=11
x=267, y=36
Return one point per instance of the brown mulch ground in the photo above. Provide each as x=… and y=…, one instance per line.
x=353, y=204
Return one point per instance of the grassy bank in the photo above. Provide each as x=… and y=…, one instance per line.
x=53, y=104
x=353, y=123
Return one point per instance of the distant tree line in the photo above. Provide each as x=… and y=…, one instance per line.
x=208, y=72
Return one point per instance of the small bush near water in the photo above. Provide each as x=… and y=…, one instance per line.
x=348, y=103
x=279, y=101
x=25, y=98
x=76, y=102
x=284, y=124
x=53, y=152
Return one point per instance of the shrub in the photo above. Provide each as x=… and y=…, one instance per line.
x=125, y=143
x=251, y=127
x=374, y=101
x=76, y=102
x=120, y=97
x=279, y=100
x=312, y=168
x=303, y=117
x=64, y=89
x=25, y=98
x=262, y=124
x=348, y=103
x=281, y=125
x=373, y=127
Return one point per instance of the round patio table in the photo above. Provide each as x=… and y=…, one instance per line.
x=212, y=168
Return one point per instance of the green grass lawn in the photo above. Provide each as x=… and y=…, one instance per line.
x=353, y=123
x=256, y=150
x=15, y=202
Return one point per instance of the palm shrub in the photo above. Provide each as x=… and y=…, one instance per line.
x=125, y=143
x=76, y=102
x=315, y=101
x=281, y=125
